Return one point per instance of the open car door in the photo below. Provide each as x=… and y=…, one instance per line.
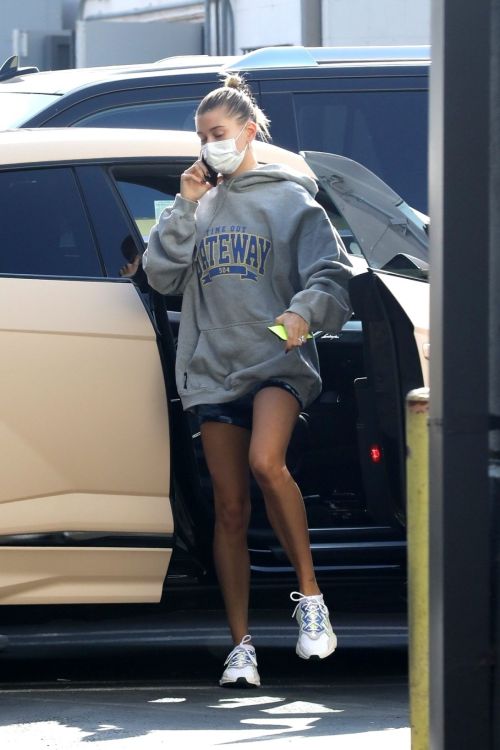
x=392, y=300
x=85, y=512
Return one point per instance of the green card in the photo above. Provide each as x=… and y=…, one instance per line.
x=280, y=331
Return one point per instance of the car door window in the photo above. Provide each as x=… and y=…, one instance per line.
x=146, y=191
x=166, y=115
x=117, y=242
x=43, y=225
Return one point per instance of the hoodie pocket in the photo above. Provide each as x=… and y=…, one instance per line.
x=222, y=353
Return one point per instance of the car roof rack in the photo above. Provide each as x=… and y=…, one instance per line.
x=11, y=69
x=298, y=57
x=179, y=62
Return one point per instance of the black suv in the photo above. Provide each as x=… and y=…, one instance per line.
x=367, y=103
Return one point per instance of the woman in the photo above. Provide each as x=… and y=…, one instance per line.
x=253, y=251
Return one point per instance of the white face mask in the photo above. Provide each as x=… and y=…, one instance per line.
x=223, y=156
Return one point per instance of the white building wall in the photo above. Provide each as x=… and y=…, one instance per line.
x=108, y=43
x=32, y=14
x=260, y=23
x=37, y=18
x=143, y=10
x=375, y=22
x=263, y=23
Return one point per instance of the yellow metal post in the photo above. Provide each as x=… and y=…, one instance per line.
x=417, y=412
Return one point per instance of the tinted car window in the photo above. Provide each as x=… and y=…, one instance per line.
x=173, y=115
x=43, y=225
x=114, y=232
x=384, y=130
x=146, y=192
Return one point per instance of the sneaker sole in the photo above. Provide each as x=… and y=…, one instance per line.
x=316, y=657
x=241, y=683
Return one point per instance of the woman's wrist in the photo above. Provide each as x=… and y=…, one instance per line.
x=187, y=198
x=191, y=202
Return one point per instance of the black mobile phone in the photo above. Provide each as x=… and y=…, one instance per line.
x=212, y=174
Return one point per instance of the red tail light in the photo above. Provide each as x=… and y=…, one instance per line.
x=376, y=454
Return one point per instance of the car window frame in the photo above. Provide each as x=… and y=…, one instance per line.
x=72, y=107
x=104, y=169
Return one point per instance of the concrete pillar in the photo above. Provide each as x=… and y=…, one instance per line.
x=494, y=346
x=461, y=612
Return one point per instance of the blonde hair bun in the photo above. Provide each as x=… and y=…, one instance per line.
x=235, y=81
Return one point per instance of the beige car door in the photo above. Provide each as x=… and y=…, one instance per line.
x=413, y=296
x=85, y=512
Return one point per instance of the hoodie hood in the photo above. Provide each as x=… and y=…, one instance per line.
x=267, y=173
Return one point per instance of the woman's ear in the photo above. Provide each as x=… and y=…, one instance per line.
x=251, y=130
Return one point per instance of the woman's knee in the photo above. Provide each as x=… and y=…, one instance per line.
x=232, y=513
x=268, y=471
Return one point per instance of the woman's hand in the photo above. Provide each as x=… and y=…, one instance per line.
x=296, y=328
x=130, y=269
x=194, y=182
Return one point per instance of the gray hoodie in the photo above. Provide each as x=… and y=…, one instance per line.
x=253, y=247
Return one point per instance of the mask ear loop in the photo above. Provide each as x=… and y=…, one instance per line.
x=241, y=131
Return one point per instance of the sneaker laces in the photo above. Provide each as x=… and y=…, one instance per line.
x=313, y=611
x=242, y=655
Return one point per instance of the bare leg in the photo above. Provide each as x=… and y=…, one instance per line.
x=274, y=416
x=226, y=452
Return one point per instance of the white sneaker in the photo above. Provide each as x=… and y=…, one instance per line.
x=316, y=637
x=241, y=667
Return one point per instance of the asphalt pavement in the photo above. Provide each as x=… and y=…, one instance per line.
x=147, y=677
x=154, y=698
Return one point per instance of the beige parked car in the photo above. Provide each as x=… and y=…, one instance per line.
x=104, y=492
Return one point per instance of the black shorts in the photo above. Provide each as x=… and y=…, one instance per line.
x=240, y=411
